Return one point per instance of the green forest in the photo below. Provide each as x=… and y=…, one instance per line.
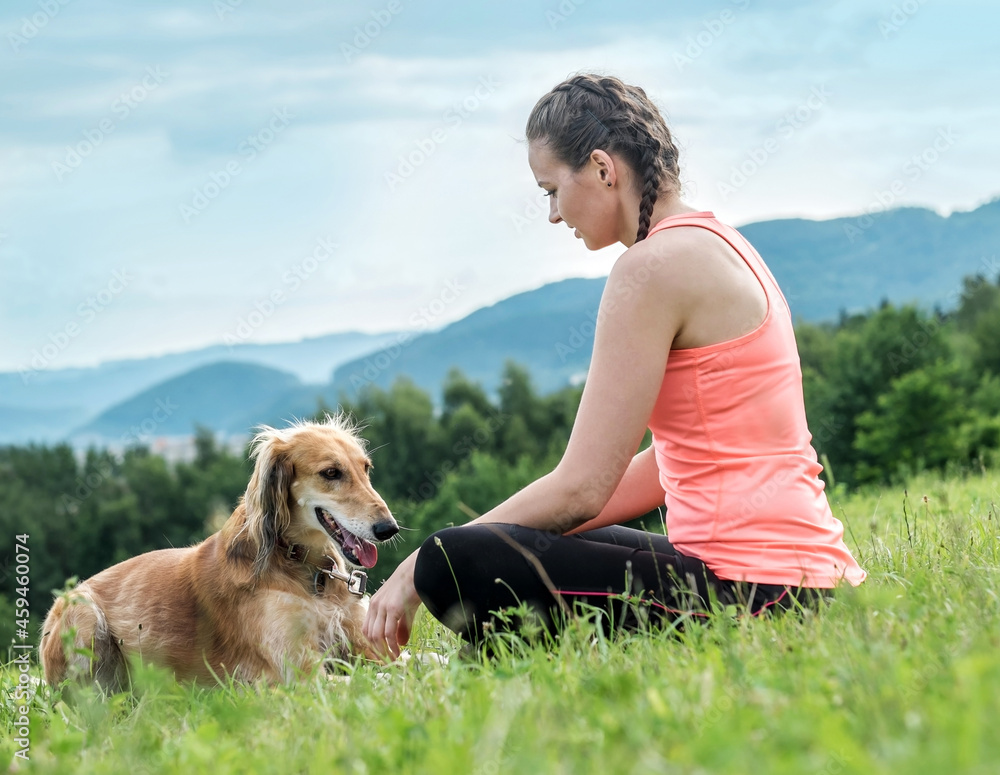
x=889, y=393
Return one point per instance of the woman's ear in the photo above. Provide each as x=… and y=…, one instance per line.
x=604, y=167
x=266, y=500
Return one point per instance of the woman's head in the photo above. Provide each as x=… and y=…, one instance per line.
x=588, y=113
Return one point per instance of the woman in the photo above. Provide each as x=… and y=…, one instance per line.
x=693, y=340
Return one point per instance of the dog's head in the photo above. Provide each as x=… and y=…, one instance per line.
x=311, y=486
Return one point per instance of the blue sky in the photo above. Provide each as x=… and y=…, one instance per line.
x=185, y=173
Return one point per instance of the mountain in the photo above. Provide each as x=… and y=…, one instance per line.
x=824, y=267
x=220, y=396
x=907, y=254
x=46, y=405
x=549, y=330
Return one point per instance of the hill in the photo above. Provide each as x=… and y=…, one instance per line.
x=907, y=254
x=47, y=405
x=824, y=268
x=220, y=396
x=550, y=330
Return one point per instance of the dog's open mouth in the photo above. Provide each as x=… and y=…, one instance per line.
x=355, y=548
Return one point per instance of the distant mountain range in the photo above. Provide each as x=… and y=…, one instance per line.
x=51, y=405
x=234, y=393
x=824, y=267
x=905, y=254
x=550, y=330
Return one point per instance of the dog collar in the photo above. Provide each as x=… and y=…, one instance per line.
x=356, y=580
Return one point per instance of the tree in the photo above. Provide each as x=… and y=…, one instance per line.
x=459, y=391
x=916, y=424
x=403, y=434
x=868, y=354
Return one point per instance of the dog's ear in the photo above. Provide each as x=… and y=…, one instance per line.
x=266, y=500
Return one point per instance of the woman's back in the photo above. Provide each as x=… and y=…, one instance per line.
x=734, y=452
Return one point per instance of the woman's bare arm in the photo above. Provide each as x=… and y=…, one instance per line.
x=638, y=493
x=640, y=314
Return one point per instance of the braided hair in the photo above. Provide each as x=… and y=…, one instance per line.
x=587, y=112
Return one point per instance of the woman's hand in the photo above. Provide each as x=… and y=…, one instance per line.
x=391, y=610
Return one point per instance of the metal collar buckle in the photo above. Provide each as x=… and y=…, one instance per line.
x=356, y=581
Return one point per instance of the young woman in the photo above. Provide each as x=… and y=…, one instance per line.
x=694, y=340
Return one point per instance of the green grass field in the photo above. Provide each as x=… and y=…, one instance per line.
x=901, y=675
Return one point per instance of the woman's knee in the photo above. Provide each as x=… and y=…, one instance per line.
x=437, y=559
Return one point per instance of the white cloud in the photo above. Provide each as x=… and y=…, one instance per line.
x=452, y=218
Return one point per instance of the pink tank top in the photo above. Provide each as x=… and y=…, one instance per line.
x=734, y=453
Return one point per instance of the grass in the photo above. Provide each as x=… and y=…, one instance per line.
x=901, y=675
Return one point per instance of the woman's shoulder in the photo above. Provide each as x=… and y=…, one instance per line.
x=699, y=274
x=678, y=255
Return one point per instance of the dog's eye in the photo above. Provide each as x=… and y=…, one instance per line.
x=332, y=474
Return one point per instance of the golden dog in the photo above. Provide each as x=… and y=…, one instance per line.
x=268, y=596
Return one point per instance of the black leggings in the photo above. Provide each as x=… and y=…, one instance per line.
x=466, y=574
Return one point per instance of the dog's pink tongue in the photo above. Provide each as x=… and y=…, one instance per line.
x=365, y=551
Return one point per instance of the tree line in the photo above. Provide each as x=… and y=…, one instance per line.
x=888, y=392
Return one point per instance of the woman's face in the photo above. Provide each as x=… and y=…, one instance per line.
x=582, y=200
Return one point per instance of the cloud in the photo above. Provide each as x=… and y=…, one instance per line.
x=462, y=205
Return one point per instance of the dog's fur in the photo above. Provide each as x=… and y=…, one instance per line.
x=235, y=604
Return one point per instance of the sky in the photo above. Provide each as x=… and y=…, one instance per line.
x=186, y=173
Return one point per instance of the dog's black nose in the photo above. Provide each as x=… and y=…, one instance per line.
x=383, y=531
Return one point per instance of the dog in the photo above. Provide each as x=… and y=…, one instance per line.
x=272, y=595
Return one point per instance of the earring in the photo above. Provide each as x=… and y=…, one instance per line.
x=609, y=183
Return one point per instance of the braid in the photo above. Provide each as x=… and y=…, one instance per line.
x=650, y=187
x=586, y=112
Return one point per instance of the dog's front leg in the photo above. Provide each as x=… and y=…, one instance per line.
x=353, y=629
